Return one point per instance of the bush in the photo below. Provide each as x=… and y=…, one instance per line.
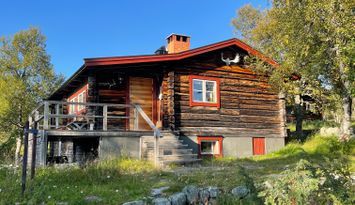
x=329, y=183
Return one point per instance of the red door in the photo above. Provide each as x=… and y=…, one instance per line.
x=258, y=145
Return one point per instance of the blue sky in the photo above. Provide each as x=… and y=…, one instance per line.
x=79, y=29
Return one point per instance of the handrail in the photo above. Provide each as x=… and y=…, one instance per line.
x=148, y=120
x=88, y=104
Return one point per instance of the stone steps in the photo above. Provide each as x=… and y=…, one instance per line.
x=172, y=150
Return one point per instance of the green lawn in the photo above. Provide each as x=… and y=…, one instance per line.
x=118, y=181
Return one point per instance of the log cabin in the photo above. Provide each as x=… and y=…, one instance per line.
x=177, y=105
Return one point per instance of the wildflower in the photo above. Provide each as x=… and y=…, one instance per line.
x=116, y=190
x=54, y=186
x=81, y=192
x=108, y=176
x=49, y=197
x=1, y=190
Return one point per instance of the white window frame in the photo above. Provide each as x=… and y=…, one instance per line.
x=204, y=91
x=72, y=107
x=214, y=145
x=81, y=99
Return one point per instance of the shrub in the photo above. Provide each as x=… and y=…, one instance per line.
x=329, y=183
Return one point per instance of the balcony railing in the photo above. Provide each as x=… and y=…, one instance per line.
x=60, y=115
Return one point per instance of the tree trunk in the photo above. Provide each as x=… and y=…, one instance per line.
x=346, y=129
x=299, y=116
x=17, y=151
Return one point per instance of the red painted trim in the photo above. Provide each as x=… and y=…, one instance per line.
x=210, y=138
x=258, y=145
x=218, y=94
x=177, y=56
x=76, y=95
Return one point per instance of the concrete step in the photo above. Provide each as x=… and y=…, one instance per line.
x=177, y=157
x=164, y=151
x=180, y=162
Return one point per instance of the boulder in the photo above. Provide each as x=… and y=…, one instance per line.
x=178, y=199
x=240, y=191
x=204, y=195
x=134, y=203
x=161, y=201
x=92, y=199
x=214, y=191
x=191, y=193
x=158, y=191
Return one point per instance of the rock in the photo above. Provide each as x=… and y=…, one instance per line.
x=161, y=201
x=240, y=192
x=204, y=195
x=191, y=193
x=134, y=203
x=326, y=131
x=178, y=199
x=214, y=191
x=61, y=203
x=93, y=199
x=158, y=191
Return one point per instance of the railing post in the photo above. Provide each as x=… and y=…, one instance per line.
x=57, y=118
x=45, y=116
x=104, y=120
x=156, y=148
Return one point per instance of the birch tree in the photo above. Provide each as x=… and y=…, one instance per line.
x=312, y=38
x=26, y=77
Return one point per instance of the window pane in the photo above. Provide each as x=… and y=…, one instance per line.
x=197, y=96
x=210, y=85
x=197, y=85
x=206, y=147
x=210, y=96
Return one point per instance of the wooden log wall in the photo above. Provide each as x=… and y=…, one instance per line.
x=249, y=108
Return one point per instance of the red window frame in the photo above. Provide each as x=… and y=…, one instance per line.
x=258, y=145
x=197, y=77
x=210, y=138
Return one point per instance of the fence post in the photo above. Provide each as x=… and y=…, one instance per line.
x=34, y=149
x=45, y=116
x=24, y=161
x=104, y=120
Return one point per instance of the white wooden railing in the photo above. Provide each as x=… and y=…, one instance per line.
x=54, y=115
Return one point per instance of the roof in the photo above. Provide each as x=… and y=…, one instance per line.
x=121, y=60
x=118, y=60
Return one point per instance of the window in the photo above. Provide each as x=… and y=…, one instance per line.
x=81, y=99
x=72, y=108
x=258, y=145
x=204, y=91
x=210, y=146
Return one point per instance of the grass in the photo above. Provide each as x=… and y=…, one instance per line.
x=118, y=181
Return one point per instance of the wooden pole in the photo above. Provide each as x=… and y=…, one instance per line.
x=34, y=147
x=24, y=161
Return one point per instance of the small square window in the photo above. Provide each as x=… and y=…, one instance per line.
x=210, y=146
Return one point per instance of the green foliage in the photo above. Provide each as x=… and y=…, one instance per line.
x=312, y=39
x=26, y=77
x=307, y=183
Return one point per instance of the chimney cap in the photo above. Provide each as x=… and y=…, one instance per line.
x=175, y=34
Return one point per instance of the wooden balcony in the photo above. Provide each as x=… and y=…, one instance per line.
x=60, y=118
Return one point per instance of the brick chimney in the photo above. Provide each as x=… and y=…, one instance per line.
x=178, y=43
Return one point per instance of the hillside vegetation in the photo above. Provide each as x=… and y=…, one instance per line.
x=122, y=180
